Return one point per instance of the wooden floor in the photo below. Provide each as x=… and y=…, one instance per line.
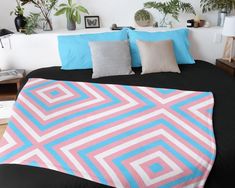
x=2, y=130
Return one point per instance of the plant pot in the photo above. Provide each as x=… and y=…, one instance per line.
x=47, y=25
x=71, y=25
x=20, y=22
x=221, y=17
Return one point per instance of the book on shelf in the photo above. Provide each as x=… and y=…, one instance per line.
x=10, y=75
x=5, y=111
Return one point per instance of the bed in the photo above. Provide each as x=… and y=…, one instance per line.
x=201, y=76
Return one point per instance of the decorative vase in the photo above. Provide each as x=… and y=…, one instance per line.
x=143, y=18
x=163, y=22
x=47, y=25
x=221, y=17
x=71, y=25
x=20, y=22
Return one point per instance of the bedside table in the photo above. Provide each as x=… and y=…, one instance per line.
x=226, y=66
x=10, y=88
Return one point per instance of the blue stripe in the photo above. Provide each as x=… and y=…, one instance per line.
x=165, y=91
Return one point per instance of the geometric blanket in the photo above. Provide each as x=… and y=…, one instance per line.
x=117, y=135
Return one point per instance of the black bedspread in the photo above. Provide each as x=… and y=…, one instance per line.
x=199, y=77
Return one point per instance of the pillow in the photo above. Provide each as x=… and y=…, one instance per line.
x=180, y=43
x=75, y=52
x=110, y=58
x=157, y=57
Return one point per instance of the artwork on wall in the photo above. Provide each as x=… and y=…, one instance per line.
x=92, y=22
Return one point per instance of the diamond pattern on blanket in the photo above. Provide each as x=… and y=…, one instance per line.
x=122, y=136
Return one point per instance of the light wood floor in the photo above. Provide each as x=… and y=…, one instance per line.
x=2, y=129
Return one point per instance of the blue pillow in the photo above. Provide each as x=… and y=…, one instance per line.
x=180, y=43
x=75, y=52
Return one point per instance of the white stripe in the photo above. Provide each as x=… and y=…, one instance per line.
x=167, y=100
x=35, y=152
x=194, y=109
x=10, y=142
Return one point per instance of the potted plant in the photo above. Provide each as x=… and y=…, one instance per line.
x=73, y=13
x=20, y=20
x=32, y=23
x=45, y=7
x=223, y=6
x=172, y=7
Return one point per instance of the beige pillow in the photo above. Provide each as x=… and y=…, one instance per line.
x=157, y=57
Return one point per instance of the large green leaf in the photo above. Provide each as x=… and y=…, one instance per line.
x=78, y=17
x=63, y=5
x=61, y=11
x=70, y=2
x=82, y=9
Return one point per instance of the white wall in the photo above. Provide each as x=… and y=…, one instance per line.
x=110, y=11
x=31, y=52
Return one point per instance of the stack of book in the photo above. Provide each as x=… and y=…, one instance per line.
x=10, y=75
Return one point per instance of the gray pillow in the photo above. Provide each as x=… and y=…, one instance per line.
x=110, y=58
x=157, y=57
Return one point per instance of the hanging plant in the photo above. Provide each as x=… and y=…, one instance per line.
x=172, y=8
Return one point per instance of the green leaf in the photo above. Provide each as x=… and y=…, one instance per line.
x=68, y=14
x=78, y=17
x=62, y=5
x=61, y=11
x=82, y=9
x=70, y=2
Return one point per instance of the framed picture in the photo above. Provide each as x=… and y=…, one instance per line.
x=92, y=22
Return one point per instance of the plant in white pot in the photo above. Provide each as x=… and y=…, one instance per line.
x=73, y=13
x=223, y=6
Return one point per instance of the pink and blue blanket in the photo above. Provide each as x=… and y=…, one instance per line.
x=122, y=136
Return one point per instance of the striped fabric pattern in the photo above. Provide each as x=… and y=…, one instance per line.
x=122, y=136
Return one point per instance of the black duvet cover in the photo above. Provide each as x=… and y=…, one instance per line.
x=199, y=77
